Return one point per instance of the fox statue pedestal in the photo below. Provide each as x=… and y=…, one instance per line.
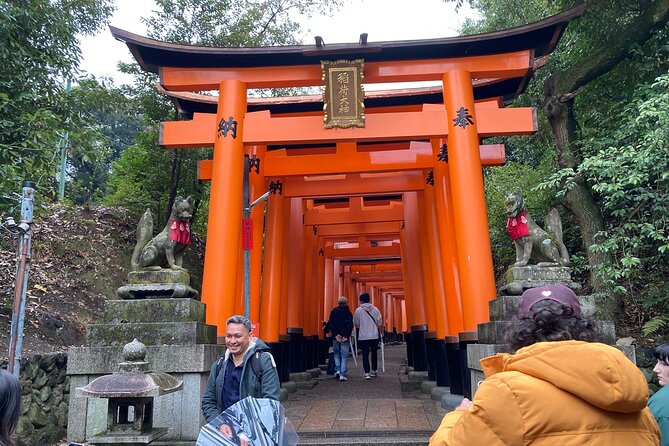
x=157, y=283
x=521, y=278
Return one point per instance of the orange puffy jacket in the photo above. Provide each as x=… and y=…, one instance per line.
x=555, y=393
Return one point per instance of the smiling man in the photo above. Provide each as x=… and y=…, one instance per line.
x=246, y=369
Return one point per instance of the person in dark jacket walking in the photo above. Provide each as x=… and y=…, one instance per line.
x=232, y=378
x=341, y=326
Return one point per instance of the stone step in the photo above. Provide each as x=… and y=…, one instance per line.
x=366, y=437
x=153, y=310
x=412, y=380
x=161, y=333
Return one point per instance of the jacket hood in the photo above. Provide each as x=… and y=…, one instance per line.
x=367, y=306
x=597, y=373
x=343, y=308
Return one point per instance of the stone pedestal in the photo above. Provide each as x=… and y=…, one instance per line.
x=178, y=342
x=157, y=283
x=520, y=278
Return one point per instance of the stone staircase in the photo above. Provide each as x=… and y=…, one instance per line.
x=366, y=437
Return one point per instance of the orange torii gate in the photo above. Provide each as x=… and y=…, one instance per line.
x=404, y=136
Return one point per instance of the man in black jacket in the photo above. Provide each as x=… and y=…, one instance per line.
x=341, y=326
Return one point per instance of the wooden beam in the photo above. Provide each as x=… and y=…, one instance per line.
x=365, y=251
x=418, y=157
x=377, y=276
x=502, y=66
x=384, y=267
x=260, y=128
x=355, y=229
x=352, y=238
x=366, y=214
x=388, y=283
x=346, y=185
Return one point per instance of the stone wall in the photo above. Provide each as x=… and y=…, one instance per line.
x=646, y=362
x=45, y=396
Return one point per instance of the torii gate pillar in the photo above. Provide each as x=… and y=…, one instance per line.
x=477, y=280
x=225, y=207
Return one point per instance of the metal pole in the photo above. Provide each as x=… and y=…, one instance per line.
x=260, y=199
x=247, y=252
x=22, y=266
x=64, y=143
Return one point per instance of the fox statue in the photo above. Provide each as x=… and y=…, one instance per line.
x=533, y=244
x=167, y=248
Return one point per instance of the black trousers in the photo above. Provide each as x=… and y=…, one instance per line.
x=366, y=346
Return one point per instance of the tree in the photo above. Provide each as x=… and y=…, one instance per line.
x=634, y=28
x=196, y=22
x=39, y=49
x=601, y=57
x=109, y=122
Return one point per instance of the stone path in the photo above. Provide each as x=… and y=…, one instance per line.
x=376, y=408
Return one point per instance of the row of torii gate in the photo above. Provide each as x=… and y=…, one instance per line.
x=395, y=207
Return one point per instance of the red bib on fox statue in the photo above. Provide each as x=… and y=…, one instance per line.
x=180, y=232
x=517, y=226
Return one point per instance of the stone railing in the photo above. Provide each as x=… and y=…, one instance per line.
x=44, y=399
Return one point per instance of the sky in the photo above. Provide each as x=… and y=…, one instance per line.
x=383, y=20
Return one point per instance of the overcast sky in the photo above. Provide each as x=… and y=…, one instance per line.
x=381, y=19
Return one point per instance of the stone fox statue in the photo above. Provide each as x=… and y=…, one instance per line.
x=533, y=244
x=166, y=248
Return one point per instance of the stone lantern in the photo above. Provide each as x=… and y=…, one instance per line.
x=130, y=392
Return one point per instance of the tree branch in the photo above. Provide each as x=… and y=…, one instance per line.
x=609, y=54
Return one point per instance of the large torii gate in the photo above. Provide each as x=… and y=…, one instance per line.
x=405, y=135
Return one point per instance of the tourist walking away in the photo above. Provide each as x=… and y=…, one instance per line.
x=556, y=389
x=10, y=407
x=246, y=369
x=659, y=402
x=367, y=320
x=340, y=325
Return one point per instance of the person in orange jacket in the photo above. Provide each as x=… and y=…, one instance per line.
x=556, y=389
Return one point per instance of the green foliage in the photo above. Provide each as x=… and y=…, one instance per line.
x=629, y=171
x=138, y=182
x=107, y=122
x=39, y=49
x=656, y=325
x=238, y=23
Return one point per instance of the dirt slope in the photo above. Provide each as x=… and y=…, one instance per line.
x=80, y=256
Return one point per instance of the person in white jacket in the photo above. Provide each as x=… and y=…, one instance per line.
x=367, y=319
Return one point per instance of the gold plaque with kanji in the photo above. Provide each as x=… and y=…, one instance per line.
x=343, y=96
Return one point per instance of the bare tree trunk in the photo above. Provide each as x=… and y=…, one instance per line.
x=196, y=208
x=174, y=181
x=579, y=200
